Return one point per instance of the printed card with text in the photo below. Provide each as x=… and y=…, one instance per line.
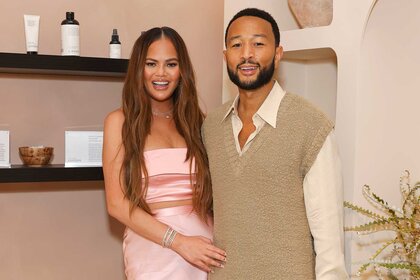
x=4, y=148
x=83, y=148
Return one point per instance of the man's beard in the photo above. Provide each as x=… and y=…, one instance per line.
x=263, y=78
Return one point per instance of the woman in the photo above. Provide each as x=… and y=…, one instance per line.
x=156, y=173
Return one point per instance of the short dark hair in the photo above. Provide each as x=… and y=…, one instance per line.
x=254, y=12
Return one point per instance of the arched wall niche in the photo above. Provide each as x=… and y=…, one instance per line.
x=387, y=102
x=311, y=73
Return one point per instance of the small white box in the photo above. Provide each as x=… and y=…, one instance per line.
x=83, y=148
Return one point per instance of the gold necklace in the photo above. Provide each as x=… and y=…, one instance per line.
x=166, y=115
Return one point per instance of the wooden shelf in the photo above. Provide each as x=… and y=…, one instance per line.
x=57, y=65
x=49, y=173
x=62, y=65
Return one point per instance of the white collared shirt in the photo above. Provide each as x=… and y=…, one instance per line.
x=322, y=187
x=267, y=113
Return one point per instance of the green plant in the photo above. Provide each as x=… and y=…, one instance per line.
x=402, y=252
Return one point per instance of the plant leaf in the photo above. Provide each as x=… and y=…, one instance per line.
x=364, y=211
x=380, y=250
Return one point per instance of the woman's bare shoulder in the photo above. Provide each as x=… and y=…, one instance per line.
x=115, y=118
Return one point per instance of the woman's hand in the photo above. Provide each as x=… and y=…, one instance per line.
x=199, y=251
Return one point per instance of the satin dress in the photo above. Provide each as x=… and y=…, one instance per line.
x=169, y=180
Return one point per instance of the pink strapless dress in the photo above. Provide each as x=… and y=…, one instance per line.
x=169, y=180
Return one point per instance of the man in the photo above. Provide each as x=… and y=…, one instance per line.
x=275, y=169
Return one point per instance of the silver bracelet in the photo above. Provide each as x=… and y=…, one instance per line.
x=165, y=236
x=168, y=237
x=171, y=239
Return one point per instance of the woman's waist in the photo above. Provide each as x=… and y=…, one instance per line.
x=165, y=188
x=171, y=208
x=167, y=197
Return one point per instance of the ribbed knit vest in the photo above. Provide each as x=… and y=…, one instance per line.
x=259, y=210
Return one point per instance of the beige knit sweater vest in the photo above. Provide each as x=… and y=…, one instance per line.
x=259, y=211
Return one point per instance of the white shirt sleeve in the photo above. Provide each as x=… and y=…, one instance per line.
x=323, y=194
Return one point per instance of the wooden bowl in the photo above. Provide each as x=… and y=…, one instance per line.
x=36, y=156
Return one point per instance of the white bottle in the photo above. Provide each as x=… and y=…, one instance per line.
x=70, y=44
x=115, y=45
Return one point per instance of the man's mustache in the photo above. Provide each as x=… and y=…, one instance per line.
x=249, y=62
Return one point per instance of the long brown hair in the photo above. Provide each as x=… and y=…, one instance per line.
x=187, y=116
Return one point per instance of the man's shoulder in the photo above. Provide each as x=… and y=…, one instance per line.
x=217, y=114
x=301, y=101
x=307, y=108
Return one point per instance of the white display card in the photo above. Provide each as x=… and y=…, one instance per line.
x=4, y=148
x=83, y=148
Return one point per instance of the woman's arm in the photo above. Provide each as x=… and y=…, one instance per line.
x=197, y=250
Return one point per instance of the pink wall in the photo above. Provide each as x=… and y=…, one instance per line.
x=53, y=104
x=61, y=230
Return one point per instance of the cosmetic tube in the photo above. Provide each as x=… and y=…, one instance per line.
x=31, y=33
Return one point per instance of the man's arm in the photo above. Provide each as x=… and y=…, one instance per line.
x=323, y=193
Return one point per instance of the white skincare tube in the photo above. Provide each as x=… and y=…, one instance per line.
x=31, y=33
